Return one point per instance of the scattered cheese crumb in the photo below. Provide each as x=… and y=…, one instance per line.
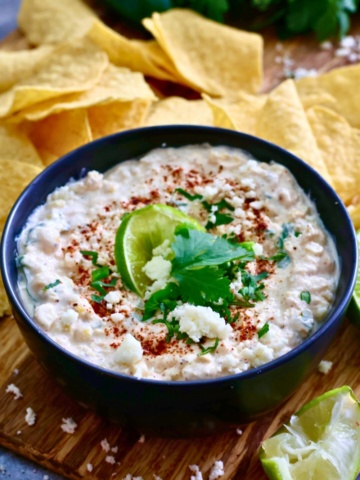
x=217, y=470
x=105, y=445
x=113, y=297
x=156, y=477
x=115, y=449
x=239, y=431
x=46, y=477
x=157, y=268
x=11, y=388
x=89, y=467
x=130, y=351
x=110, y=459
x=2, y=469
x=18, y=432
x=68, y=425
x=325, y=366
x=16, y=371
x=141, y=439
x=198, y=475
x=30, y=417
x=130, y=477
x=198, y=322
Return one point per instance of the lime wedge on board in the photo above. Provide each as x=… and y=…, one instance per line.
x=321, y=441
x=139, y=233
x=353, y=311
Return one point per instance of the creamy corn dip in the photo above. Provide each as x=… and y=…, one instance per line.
x=263, y=204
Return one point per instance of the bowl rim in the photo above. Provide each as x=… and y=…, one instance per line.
x=16, y=303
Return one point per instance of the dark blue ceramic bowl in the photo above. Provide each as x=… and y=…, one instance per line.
x=194, y=407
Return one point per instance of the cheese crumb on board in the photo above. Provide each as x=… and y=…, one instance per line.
x=30, y=417
x=105, y=445
x=196, y=470
x=110, y=459
x=68, y=425
x=89, y=467
x=217, y=470
x=141, y=439
x=325, y=366
x=11, y=388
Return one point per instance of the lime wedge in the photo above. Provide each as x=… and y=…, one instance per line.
x=321, y=441
x=354, y=308
x=139, y=233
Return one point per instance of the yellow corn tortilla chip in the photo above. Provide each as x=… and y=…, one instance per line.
x=16, y=146
x=117, y=116
x=341, y=87
x=139, y=55
x=354, y=212
x=58, y=134
x=116, y=84
x=209, y=57
x=339, y=144
x=178, y=110
x=17, y=65
x=54, y=21
x=283, y=121
x=240, y=114
x=74, y=67
x=14, y=177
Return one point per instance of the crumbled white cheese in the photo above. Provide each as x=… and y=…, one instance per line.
x=141, y=439
x=30, y=417
x=113, y=297
x=117, y=317
x=163, y=249
x=157, y=268
x=130, y=351
x=326, y=45
x=11, y=388
x=130, y=477
x=105, y=445
x=69, y=317
x=239, y=431
x=195, y=469
x=115, y=449
x=156, y=477
x=325, y=366
x=16, y=371
x=217, y=470
x=110, y=459
x=258, y=249
x=198, y=322
x=89, y=467
x=68, y=425
x=301, y=72
x=46, y=477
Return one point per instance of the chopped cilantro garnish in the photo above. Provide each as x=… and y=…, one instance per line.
x=52, y=285
x=305, y=296
x=297, y=233
x=100, y=273
x=210, y=349
x=163, y=300
x=252, y=288
x=264, y=329
x=188, y=195
x=92, y=255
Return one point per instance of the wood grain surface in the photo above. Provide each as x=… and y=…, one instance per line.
x=70, y=454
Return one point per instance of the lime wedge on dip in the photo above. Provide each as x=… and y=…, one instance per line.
x=354, y=307
x=321, y=441
x=139, y=233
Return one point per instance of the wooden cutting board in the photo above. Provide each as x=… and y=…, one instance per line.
x=70, y=454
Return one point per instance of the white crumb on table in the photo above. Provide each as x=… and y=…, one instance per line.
x=239, y=431
x=68, y=425
x=156, y=477
x=11, y=388
x=196, y=470
x=110, y=459
x=131, y=477
x=16, y=371
x=141, y=439
x=46, y=477
x=105, y=445
x=30, y=417
x=89, y=467
x=115, y=449
x=217, y=470
x=325, y=366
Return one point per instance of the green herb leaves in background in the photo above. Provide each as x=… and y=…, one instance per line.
x=325, y=18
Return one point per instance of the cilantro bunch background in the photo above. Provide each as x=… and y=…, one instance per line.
x=325, y=18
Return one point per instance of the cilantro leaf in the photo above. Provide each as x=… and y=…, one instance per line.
x=210, y=349
x=220, y=219
x=164, y=299
x=305, y=296
x=188, y=195
x=52, y=285
x=202, y=285
x=203, y=249
x=264, y=329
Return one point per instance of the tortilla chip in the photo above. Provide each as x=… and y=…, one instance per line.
x=117, y=116
x=341, y=86
x=178, y=110
x=138, y=55
x=339, y=144
x=17, y=65
x=74, y=67
x=14, y=177
x=16, y=146
x=209, y=57
x=116, y=84
x=240, y=114
x=283, y=121
x=59, y=134
x=354, y=212
x=54, y=21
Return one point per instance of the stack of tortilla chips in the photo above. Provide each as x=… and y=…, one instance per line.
x=81, y=80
